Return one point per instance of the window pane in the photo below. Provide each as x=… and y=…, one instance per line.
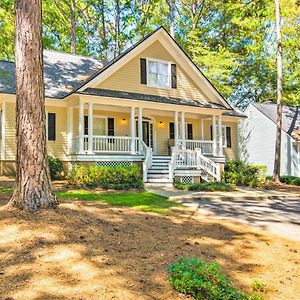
x=153, y=79
x=153, y=67
x=163, y=80
x=99, y=126
x=163, y=69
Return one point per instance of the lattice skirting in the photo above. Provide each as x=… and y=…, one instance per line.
x=104, y=163
x=187, y=179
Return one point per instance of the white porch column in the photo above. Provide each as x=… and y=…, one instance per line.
x=3, y=117
x=220, y=136
x=214, y=130
x=90, y=128
x=183, y=129
x=70, y=127
x=176, y=131
x=132, y=130
x=140, y=128
x=81, y=128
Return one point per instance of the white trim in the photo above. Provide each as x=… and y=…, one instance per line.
x=90, y=128
x=183, y=129
x=140, y=127
x=176, y=129
x=214, y=130
x=70, y=127
x=148, y=59
x=81, y=127
x=3, y=117
x=220, y=126
x=132, y=129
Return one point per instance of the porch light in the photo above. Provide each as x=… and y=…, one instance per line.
x=123, y=121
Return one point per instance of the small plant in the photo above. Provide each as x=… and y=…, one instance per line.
x=55, y=166
x=259, y=286
x=202, y=280
x=292, y=180
x=205, y=186
x=239, y=173
x=119, y=178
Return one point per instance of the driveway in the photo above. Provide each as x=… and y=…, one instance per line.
x=277, y=216
x=275, y=212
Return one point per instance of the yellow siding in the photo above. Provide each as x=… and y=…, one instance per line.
x=127, y=78
x=57, y=148
x=230, y=153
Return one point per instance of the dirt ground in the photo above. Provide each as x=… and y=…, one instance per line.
x=282, y=187
x=92, y=251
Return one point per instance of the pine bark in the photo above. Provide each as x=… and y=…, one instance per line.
x=276, y=172
x=32, y=188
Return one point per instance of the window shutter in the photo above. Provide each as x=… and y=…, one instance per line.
x=173, y=76
x=228, y=137
x=111, y=126
x=86, y=125
x=143, y=71
x=51, y=127
x=190, y=131
x=211, y=132
x=171, y=131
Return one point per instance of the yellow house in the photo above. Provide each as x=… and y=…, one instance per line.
x=150, y=106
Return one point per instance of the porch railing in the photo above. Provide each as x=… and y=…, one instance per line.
x=193, y=159
x=206, y=147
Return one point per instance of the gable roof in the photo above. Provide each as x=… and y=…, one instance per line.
x=290, y=116
x=162, y=35
x=63, y=73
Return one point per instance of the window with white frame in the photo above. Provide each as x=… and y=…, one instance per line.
x=159, y=73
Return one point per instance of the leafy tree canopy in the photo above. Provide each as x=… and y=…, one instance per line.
x=233, y=42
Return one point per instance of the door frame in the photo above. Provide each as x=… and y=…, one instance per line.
x=150, y=120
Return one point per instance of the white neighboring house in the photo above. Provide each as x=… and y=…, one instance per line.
x=257, y=135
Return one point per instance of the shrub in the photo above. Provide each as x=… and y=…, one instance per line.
x=239, y=173
x=120, y=178
x=201, y=280
x=206, y=186
x=259, y=286
x=293, y=180
x=55, y=166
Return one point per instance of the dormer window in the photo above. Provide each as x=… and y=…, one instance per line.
x=159, y=73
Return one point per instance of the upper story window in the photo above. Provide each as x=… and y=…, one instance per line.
x=159, y=73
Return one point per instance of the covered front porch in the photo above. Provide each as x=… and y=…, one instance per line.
x=95, y=129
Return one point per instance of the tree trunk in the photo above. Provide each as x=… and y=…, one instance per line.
x=73, y=27
x=276, y=172
x=171, y=4
x=32, y=186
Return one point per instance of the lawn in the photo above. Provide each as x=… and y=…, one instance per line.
x=102, y=246
x=144, y=201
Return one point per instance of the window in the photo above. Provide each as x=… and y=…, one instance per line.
x=111, y=126
x=226, y=136
x=171, y=131
x=51, y=126
x=189, y=131
x=99, y=125
x=159, y=73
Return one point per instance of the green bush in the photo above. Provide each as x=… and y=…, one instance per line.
x=239, y=173
x=206, y=186
x=201, y=280
x=119, y=178
x=293, y=180
x=55, y=166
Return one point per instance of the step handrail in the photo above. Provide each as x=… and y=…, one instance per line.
x=147, y=163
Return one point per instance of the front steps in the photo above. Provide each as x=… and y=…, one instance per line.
x=159, y=171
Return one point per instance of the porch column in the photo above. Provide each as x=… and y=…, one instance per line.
x=3, y=117
x=70, y=127
x=90, y=129
x=214, y=135
x=81, y=128
x=183, y=129
x=140, y=128
x=176, y=131
x=132, y=130
x=220, y=136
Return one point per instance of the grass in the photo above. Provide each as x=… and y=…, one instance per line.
x=144, y=201
x=206, y=186
x=6, y=190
